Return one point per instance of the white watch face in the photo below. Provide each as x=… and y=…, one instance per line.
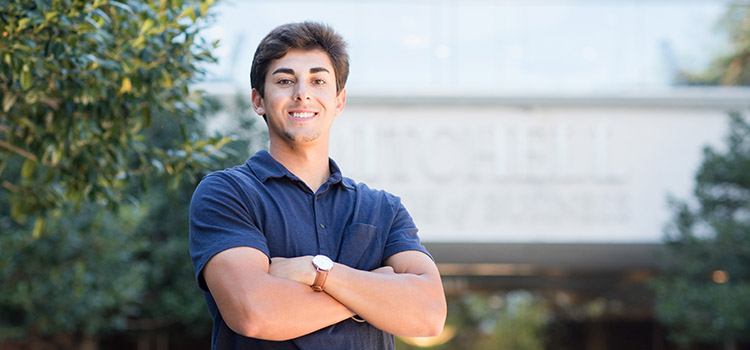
x=322, y=262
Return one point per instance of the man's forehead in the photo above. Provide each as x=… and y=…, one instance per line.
x=315, y=60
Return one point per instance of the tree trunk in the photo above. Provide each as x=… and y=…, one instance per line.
x=89, y=342
x=730, y=343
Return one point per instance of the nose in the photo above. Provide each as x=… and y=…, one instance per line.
x=301, y=93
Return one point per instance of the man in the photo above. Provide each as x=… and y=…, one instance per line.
x=289, y=253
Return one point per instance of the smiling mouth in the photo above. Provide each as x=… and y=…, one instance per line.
x=302, y=115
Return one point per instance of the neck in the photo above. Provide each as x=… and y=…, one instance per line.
x=310, y=164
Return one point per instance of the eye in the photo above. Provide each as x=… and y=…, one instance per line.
x=284, y=81
x=318, y=82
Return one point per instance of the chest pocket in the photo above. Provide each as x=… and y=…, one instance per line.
x=362, y=247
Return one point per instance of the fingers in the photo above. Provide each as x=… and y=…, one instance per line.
x=384, y=270
x=298, y=269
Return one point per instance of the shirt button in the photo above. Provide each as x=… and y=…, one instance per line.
x=322, y=225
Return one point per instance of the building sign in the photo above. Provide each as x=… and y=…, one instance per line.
x=492, y=173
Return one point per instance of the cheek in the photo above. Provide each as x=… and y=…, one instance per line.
x=274, y=101
x=328, y=96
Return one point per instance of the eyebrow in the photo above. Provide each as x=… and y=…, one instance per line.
x=319, y=69
x=283, y=70
x=291, y=71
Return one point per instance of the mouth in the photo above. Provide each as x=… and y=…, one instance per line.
x=302, y=115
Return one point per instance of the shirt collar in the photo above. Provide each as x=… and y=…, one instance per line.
x=265, y=167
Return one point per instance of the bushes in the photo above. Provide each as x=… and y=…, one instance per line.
x=101, y=143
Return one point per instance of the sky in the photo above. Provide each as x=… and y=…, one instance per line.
x=421, y=47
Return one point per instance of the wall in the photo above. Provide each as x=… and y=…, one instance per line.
x=494, y=172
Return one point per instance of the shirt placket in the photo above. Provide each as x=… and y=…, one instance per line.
x=321, y=226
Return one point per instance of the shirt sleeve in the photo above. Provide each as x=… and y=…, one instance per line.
x=220, y=218
x=402, y=235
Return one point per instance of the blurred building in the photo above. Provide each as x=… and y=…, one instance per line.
x=563, y=195
x=535, y=143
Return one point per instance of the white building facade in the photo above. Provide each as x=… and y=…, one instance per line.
x=535, y=169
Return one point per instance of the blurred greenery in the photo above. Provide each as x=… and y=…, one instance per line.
x=97, y=271
x=80, y=82
x=482, y=321
x=102, y=141
x=731, y=67
x=703, y=292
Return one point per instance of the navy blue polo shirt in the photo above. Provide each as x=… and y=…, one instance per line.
x=261, y=204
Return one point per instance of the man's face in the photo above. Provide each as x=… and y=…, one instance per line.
x=300, y=99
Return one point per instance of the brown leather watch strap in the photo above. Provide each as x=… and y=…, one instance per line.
x=320, y=280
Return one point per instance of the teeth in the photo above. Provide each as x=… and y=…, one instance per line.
x=303, y=115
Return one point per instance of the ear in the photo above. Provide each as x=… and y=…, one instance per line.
x=258, y=103
x=340, y=101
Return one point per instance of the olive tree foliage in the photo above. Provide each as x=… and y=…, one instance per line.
x=95, y=108
x=703, y=291
x=98, y=271
x=171, y=302
x=80, y=82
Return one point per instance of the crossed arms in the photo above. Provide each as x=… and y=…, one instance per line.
x=274, y=301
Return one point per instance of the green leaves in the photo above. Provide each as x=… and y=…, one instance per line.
x=25, y=77
x=28, y=169
x=79, y=84
x=38, y=227
x=73, y=273
x=706, y=240
x=101, y=144
x=733, y=66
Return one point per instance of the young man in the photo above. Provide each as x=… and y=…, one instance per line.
x=288, y=252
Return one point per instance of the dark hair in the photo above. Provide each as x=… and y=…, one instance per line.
x=303, y=36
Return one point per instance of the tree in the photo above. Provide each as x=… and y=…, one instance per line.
x=79, y=83
x=732, y=67
x=97, y=271
x=703, y=292
x=171, y=303
x=95, y=109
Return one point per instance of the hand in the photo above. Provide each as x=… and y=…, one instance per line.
x=298, y=269
x=384, y=270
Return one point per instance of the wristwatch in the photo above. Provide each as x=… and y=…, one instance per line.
x=322, y=264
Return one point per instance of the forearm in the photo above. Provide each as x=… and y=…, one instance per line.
x=406, y=298
x=285, y=310
x=398, y=303
x=256, y=304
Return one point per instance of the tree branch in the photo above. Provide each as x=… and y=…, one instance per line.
x=18, y=151
x=11, y=187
